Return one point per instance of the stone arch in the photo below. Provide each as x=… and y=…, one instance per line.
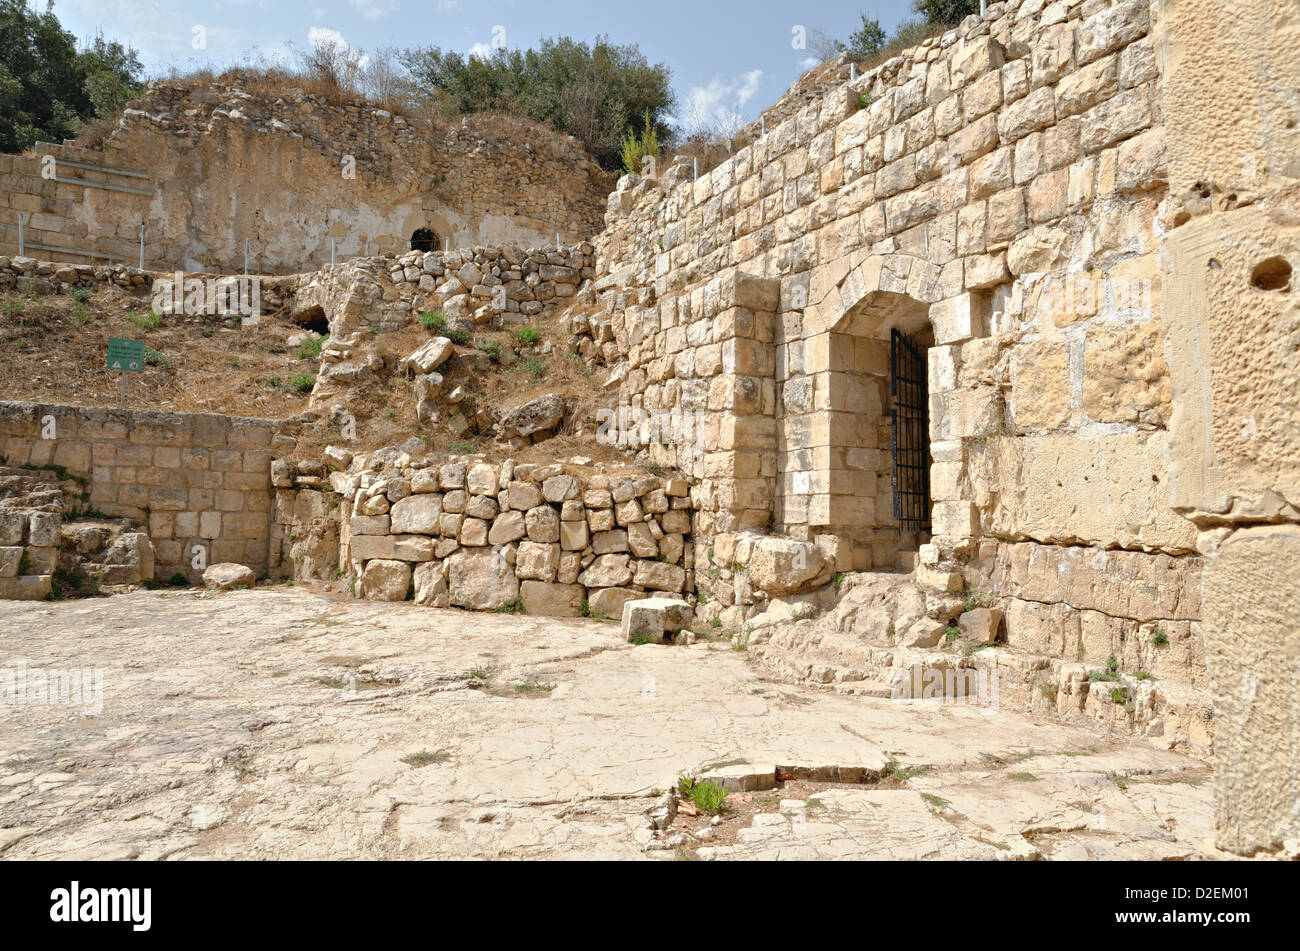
x=425, y=239
x=844, y=466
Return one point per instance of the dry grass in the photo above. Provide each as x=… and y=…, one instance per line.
x=56, y=349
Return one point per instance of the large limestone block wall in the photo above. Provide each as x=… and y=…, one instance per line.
x=291, y=173
x=1232, y=89
x=999, y=194
x=192, y=481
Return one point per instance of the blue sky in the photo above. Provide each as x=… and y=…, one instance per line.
x=727, y=57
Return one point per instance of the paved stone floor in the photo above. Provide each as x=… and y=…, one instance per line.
x=281, y=723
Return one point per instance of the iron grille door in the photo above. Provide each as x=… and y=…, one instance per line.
x=909, y=387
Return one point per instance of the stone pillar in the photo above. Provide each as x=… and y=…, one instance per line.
x=1232, y=303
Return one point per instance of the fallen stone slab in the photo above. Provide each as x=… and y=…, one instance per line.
x=653, y=618
x=742, y=777
x=227, y=575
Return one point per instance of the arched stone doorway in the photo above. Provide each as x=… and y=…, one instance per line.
x=867, y=469
x=425, y=239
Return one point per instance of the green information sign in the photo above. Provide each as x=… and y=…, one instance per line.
x=126, y=355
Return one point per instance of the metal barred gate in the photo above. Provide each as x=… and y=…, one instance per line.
x=908, y=385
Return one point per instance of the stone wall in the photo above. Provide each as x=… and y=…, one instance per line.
x=188, y=479
x=558, y=540
x=497, y=285
x=47, y=541
x=204, y=165
x=998, y=194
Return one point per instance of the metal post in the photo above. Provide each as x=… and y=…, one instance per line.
x=245, y=255
x=122, y=404
x=983, y=7
x=20, y=235
x=557, y=240
x=331, y=252
x=695, y=164
x=446, y=243
x=142, y=245
x=853, y=71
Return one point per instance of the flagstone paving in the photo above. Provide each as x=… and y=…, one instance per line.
x=283, y=723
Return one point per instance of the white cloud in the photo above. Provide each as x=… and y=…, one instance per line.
x=374, y=9
x=324, y=35
x=809, y=63
x=481, y=50
x=445, y=5
x=719, y=105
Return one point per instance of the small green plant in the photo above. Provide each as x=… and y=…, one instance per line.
x=1023, y=777
x=1049, y=689
x=480, y=673
x=708, y=796
x=527, y=336
x=951, y=633
x=145, y=322
x=80, y=295
x=426, y=758
x=463, y=448
x=510, y=607
x=1143, y=675
x=716, y=623
x=493, y=351
x=536, y=368
x=433, y=320
x=864, y=100
x=636, y=148
x=178, y=580
x=302, y=383
x=156, y=358
x=80, y=314
x=1161, y=639
x=838, y=580
x=1117, y=696
x=311, y=347
x=895, y=774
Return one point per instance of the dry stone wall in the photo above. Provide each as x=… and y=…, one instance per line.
x=497, y=285
x=559, y=540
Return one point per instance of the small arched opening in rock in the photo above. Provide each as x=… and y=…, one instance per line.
x=1273, y=274
x=313, y=318
x=425, y=239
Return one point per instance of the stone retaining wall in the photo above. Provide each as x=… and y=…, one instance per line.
x=194, y=482
x=559, y=540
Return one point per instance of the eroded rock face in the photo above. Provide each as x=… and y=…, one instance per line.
x=783, y=566
x=481, y=580
x=228, y=575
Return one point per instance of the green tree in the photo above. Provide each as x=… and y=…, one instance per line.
x=594, y=93
x=869, y=40
x=112, y=75
x=47, y=88
x=946, y=12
